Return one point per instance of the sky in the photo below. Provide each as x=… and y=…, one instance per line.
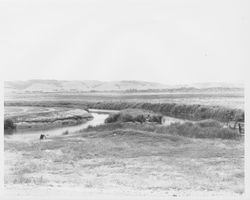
x=168, y=41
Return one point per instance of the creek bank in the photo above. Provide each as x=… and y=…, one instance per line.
x=36, y=118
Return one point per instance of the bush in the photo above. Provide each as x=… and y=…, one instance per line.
x=9, y=126
x=140, y=118
x=127, y=118
x=133, y=115
x=197, y=131
x=112, y=118
x=89, y=127
x=65, y=132
x=239, y=117
x=156, y=118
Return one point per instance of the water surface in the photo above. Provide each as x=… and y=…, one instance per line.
x=33, y=135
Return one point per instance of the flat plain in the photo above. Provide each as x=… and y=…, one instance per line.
x=126, y=160
x=230, y=99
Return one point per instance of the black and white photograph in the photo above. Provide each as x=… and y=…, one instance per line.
x=125, y=99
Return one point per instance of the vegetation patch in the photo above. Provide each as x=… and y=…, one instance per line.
x=9, y=126
x=197, y=131
x=192, y=130
x=183, y=111
x=134, y=115
x=209, y=123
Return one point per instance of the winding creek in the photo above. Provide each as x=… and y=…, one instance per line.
x=99, y=117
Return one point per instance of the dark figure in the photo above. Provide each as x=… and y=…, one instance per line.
x=42, y=137
x=240, y=129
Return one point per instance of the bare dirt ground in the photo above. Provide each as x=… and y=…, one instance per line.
x=125, y=162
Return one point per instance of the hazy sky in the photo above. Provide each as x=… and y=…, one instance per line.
x=168, y=41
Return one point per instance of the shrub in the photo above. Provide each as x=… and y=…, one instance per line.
x=127, y=118
x=197, y=131
x=90, y=126
x=9, y=126
x=112, y=118
x=156, y=118
x=239, y=116
x=140, y=118
x=65, y=132
x=133, y=115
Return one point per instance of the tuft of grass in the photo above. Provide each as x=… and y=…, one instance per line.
x=30, y=180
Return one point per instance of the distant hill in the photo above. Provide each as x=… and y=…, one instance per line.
x=215, y=85
x=84, y=86
x=67, y=86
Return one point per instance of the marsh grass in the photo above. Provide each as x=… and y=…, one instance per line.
x=183, y=111
x=204, y=129
x=134, y=115
x=209, y=123
x=22, y=179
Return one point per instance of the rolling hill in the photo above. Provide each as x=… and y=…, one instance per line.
x=67, y=86
x=89, y=85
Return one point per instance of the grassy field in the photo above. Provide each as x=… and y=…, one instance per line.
x=128, y=161
x=229, y=99
x=183, y=159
